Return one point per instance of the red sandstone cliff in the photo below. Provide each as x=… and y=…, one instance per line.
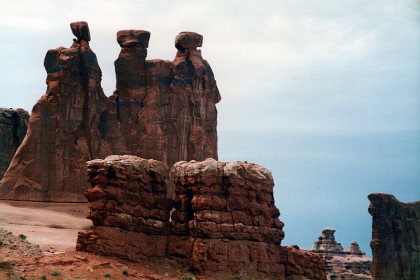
x=161, y=110
x=395, y=238
x=13, y=126
x=167, y=109
x=68, y=127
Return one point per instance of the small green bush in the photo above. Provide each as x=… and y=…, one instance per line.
x=1, y=243
x=242, y=275
x=125, y=270
x=43, y=277
x=188, y=277
x=55, y=272
x=107, y=275
x=22, y=236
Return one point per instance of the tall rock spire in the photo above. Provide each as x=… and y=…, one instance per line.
x=167, y=110
x=162, y=110
x=67, y=128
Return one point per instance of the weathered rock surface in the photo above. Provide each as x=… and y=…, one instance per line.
x=13, y=126
x=223, y=216
x=161, y=110
x=395, y=237
x=339, y=262
x=167, y=109
x=69, y=125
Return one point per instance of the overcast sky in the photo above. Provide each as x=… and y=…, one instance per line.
x=325, y=94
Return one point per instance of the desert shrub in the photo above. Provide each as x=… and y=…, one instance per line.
x=107, y=275
x=124, y=270
x=55, y=272
x=43, y=277
x=1, y=243
x=22, y=236
x=241, y=275
x=187, y=277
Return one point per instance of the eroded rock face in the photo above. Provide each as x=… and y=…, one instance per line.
x=69, y=125
x=167, y=109
x=161, y=110
x=395, y=237
x=223, y=216
x=339, y=262
x=13, y=126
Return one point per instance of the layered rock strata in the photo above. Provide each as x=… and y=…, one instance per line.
x=223, y=216
x=341, y=263
x=160, y=110
x=395, y=238
x=13, y=126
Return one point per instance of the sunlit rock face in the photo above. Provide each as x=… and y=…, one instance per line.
x=222, y=217
x=341, y=263
x=160, y=110
x=13, y=126
x=395, y=237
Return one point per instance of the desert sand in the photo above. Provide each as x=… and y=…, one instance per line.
x=52, y=226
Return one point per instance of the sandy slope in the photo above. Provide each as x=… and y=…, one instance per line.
x=53, y=226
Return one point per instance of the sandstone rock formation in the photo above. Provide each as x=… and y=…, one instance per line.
x=395, y=238
x=68, y=127
x=167, y=109
x=339, y=262
x=13, y=126
x=223, y=216
x=161, y=110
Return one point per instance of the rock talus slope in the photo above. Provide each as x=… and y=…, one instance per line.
x=223, y=216
x=13, y=126
x=395, y=238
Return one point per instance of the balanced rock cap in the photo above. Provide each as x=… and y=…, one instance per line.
x=80, y=29
x=188, y=40
x=133, y=38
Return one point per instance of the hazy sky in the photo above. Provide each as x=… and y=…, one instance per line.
x=325, y=94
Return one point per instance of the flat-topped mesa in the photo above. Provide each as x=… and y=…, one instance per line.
x=395, y=237
x=68, y=126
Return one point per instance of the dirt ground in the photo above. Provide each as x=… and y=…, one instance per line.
x=52, y=226
x=37, y=242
